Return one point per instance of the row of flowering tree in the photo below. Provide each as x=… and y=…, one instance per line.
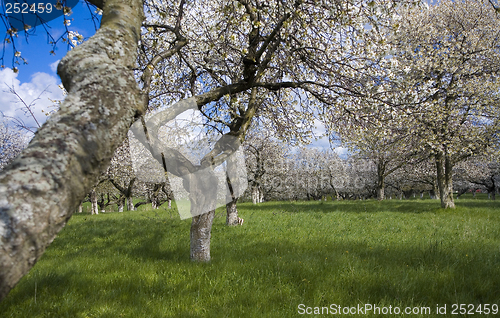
x=438, y=97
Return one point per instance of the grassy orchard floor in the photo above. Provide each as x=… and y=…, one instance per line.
x=391, y=253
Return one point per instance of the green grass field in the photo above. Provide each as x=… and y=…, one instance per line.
x=407, y=253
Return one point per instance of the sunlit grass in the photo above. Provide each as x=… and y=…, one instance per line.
x=398, y=253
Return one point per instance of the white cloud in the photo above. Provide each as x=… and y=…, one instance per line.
x=320, y=143
x=342, y=152
x=53, y=66
x=319, y=128
x=38, y=92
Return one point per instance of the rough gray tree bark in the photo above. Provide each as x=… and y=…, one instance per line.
x=232, y=213
x=41, y=189
x=380, y=180
x=444, y=168
x=200, y=235
x=203, y=197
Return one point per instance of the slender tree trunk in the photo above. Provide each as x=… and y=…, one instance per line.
x=167, y=189
x=491, y=193
x=444, y=180
x=130, y=204
x=449, y=182
x=232, y=213
x=121, y=203
x=93, y=200
x=407, y=194
x=155, y=196
x=434, y=193
x=380, y=181
x=493, y=188
x=231, y=210
x=437, y=194
x=80, y=208
x=380, y=190
x=102, y=204
x=255, y=195
x=337, y=195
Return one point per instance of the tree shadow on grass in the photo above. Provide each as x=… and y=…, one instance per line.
x=424, y=274
x=150, y=238
x=97, y=295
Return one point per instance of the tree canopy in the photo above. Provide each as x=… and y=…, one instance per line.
x=344, y=62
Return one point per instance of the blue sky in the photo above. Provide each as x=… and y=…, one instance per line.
x=38, y=78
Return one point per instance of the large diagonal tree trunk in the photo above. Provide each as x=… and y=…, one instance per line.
x=41, y=189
